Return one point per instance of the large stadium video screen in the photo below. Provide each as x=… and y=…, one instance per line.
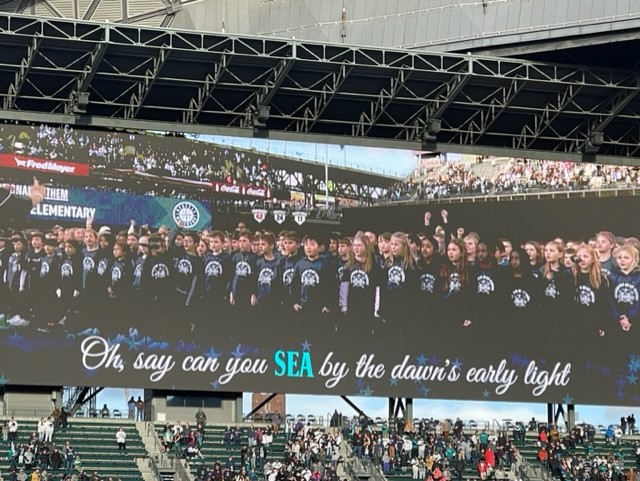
x=506, y=299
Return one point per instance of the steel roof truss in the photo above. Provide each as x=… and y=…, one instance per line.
x=499, y=106
x=370, y=116
x=144, y=87
x=198, y=102
x=544, y=119
x=434, y=108
x=320, y=103
x=21, y=74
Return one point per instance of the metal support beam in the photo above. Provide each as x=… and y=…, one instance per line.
x=260, y=405
x=557, y=411
x=21, y=74
x=265, y=94
x=197, y=103
x=616, y=104
x=498, y=106
x=84, y=79
x=321, y=103
x=137, y=98
x=372, y=114
x=547, y=115
x=435, y=106
x=353, y=406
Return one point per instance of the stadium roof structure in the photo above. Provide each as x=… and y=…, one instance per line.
x=121, y=76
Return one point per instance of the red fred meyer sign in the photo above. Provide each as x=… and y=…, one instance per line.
x=242, y=189
x=14, y=161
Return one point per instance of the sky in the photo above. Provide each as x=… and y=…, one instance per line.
x=392, y=162
x=439, y=409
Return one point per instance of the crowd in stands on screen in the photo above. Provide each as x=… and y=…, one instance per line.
x=516, y=176
x=206, y=162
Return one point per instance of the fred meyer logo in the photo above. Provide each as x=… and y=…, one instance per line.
x=43, y=165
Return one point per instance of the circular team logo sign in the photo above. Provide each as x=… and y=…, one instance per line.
x=186, y=215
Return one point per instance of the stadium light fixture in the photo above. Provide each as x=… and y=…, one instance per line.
x=593, y=143
x=79, y=102
x=261, y=116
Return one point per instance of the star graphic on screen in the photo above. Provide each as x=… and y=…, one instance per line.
x=360, y=383
x=524, y=361
x=542, y=360
x=188, y=346
x=421, y=360
x=515, y=358
x=417, y=381
x=3, y=380
x=567, y=399
x=620, y=394
x=158, y=345
x=211, y=353
x=306, y=346
x=238, y=353
x=89, y=373
x=15, y=339
x=134, y=345
x=424, y=390
x=485, y=394
x=605, y=371
x=620, y=381
x=457, y=363
x=215, y=385
x=70, y=335
x=117, y=340
x=632, y=379
x=367, y=392
x=634, y=363
x=393, y=381
x=27, y=346
x=434, y=361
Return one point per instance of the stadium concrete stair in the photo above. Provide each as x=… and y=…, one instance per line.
x=94, y=441
x=214, y=450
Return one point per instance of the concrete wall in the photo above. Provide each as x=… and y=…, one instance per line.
x=29, y=401
x=230, y=410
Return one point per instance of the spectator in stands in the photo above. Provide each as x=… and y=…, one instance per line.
x=48, y=430
x=13, y=429
x=201, y=417
x=131, y=406
x=56, y=459
x=139, y=409
x=121, y=439
x=69, y=457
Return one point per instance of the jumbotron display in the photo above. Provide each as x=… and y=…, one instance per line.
x=513, y=301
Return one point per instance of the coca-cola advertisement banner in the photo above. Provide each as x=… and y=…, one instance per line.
x=49, y=166
x=242, y=189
